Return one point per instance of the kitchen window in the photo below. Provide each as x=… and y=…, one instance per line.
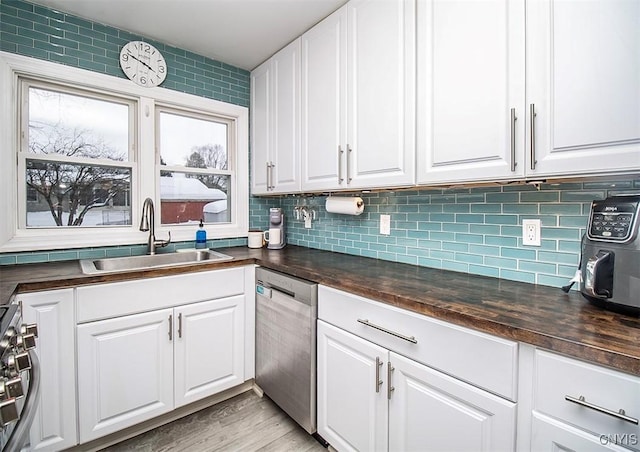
x=75, y=158
x=195, y=168
x=89, y=148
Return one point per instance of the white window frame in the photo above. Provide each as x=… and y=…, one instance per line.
x=144, y=184
x=230, y=144
x=129, y=163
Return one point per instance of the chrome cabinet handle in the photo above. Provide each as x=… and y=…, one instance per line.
x=366, y=322
x=273, y=165
x=170, y=327
x=378, y=381
x=390, y=388
x=349, y=178
x=268, y=176
x=514, y=118
x=180, y=325
x=340, y=152
x=270, y=185
x=620, y=414
x=532, y=126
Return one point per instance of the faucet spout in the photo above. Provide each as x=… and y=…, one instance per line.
x=148, y=223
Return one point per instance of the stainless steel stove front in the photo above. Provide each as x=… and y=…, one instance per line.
x=19, y=378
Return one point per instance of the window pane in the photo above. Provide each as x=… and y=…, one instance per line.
x=188, y=197
x=192, y=142
x=77, y=195
x=77, y=126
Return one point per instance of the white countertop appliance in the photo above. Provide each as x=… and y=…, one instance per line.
x=611, y=253
x=19, y=378
x=275, y=236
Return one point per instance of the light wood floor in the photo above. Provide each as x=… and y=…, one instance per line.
x=243, y=423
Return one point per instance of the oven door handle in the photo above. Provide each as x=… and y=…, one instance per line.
x=20, y=433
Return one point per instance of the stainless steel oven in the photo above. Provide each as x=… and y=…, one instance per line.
x=19, y=378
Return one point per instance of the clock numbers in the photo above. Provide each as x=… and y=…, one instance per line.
x=143, y=63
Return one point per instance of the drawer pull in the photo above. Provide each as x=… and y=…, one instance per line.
x=366, y=322
x=617, y=414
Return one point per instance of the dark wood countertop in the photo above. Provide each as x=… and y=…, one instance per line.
x=538, y=315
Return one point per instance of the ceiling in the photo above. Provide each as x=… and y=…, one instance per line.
x=242, y=33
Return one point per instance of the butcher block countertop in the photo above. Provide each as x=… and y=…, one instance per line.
x=538, y=315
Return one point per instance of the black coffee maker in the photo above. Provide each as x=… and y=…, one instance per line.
x=611, y=253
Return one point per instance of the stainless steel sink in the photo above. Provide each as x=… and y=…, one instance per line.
x=129, y=263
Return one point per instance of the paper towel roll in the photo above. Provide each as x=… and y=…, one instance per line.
x=346, y=206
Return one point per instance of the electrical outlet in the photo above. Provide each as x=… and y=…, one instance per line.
x=531, y=232
x=385, y=224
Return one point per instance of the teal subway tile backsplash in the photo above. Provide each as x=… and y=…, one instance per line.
x=477, y=230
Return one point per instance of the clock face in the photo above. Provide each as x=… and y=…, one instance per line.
x=143, y=63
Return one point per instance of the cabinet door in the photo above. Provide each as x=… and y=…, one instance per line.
x=54, y=426
x=209, y=348
x=285, y=149
x=470, y=76
x=323, y=103
x=381, y=93
x=548, y=434
x=429, y=410
x=583, y=73
x=352, y=406
x=260, y=127
x=125, y=372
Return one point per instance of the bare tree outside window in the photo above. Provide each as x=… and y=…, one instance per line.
x=209, y=156
x=66, y=132
x=193, y=153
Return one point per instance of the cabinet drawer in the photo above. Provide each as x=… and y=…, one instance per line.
x=128, y=297
x=556, y=377
x=478, y=358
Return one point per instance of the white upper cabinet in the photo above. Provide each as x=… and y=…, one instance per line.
x=402, y=92
x=358, y=97
x=470, y=90
x=380, y=93
x=260, y=130
x=583, y=81
x=275, y=125
x=324, y=103
x=581, y=113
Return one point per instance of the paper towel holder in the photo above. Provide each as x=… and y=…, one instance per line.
x=354, y=205
x=359, y=203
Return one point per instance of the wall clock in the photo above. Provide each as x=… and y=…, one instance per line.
x=143, y=63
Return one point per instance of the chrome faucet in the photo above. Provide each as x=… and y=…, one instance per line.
x=147, y=223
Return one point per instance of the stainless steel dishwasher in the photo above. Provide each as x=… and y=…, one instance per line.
x=286, y=314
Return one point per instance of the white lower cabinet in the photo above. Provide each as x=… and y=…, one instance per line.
x=125, y=372
x=429, y=410
x=54, y=426
x=370, y=398
x=209, y=348
x=140, y=366
x=135, y=367
x=583, y=407
x=549, y=434
x=352, y=406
